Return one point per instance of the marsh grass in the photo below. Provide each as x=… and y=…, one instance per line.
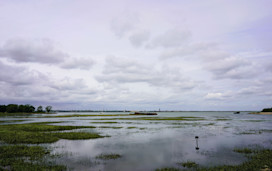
x=109, y=156
x=168, y=169
x=223, y=119
x=256, y=131
x=78, y=115
x=22, y=157
x=105, y=122
x=77, y=135
x=158, y=118
x=131, y=127
x=15, y=114
x=253, y=120
x=38, y=133
x=113, y=127
x=188, y=164
x=244, y=150
x=11, y=121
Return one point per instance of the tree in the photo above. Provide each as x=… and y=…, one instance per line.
x=12, y=108
x=21, y=108
x=3, y=108
x=40, y=109
x=29, y=108
x=48, y=109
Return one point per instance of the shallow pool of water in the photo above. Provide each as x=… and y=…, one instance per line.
x=152, y=144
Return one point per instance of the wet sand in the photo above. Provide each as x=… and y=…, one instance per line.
x=262, y=113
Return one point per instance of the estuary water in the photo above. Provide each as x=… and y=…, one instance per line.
x=158, y=142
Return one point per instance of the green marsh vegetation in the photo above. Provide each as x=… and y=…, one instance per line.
x=40, y=133
x=223, y=119
x=25, y=157
x=11, y=121
x=79, y=115
x=256, y=131
x=158, y=118
x=113, y=127
x=168, y=169
x=109, y=156
x=131, y=127
x=22, y=157
x=188, y=164
x=105, y=122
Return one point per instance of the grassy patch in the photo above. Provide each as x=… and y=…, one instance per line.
x=113, y=127
x=131, y=127
x=108, y=156
x=15, y=114
x=105, y=122
x=168, y=169
x=158, y=118
x=244, y=150
x=21, y=157
x=44, y=123
x=78, y=115
x=38, y=133
x=10, y=121
x=77, y=135
x=253, y=120
x=250, y=132
x=223, y=119
x=189, y=164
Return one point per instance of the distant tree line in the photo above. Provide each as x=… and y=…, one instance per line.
x=15, y=108
x=267, y=110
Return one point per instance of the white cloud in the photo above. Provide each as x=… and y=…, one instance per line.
x=78, y=63
x=215, y=96
x=121, y=71
x=171, y=38
x=122, y=25
x=137, y=39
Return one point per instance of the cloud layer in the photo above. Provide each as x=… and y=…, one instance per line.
x=137, y=55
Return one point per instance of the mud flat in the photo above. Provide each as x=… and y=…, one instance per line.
x=261, y=113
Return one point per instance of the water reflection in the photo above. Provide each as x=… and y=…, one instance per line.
x=162, y=143
x=196, y=138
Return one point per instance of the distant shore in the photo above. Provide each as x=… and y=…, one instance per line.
x=261, y=113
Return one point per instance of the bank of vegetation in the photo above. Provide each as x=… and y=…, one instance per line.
x=15, y=108
x=267, y=110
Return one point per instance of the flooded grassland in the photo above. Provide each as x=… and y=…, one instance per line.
x=120, y=141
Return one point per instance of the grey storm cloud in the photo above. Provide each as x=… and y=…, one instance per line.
x=215, y=60
x=231, y=67
x=21, y=83
x=39, y=51
x=17, y=75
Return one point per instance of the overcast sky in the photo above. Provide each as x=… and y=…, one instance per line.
x=137, y=55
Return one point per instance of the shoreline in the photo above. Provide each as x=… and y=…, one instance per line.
x=261, y=113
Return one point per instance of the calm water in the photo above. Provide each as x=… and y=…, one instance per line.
x=156, y=144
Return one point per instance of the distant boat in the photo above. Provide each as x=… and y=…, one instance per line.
x=236, y=113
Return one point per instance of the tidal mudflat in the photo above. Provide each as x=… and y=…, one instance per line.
x=119, y=141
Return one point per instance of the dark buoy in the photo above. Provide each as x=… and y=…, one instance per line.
x=197, y=148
